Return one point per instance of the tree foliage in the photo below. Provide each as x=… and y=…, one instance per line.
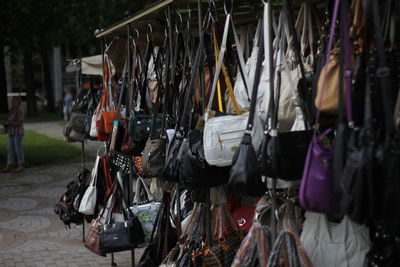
x=32, y=27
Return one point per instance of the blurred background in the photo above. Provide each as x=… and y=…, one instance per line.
x=40, y=38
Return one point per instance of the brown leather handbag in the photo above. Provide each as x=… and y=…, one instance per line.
x=153, y=158
x=92, y=239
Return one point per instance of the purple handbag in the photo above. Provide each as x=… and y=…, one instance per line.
x=316, y=188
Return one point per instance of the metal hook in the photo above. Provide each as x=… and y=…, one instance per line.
x=226, y=10
x=109, y=45
x=150, y=31
x=181, y=22
x=137, y=36
x=189, y=17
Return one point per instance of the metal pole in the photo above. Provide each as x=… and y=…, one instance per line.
x=83, y=173
x=128, y=29
x=271, y=72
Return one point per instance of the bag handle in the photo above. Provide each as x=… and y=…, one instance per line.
x=256, y=83
x=190, y=86
x=159, y=96
x=141, y=183
x=346, y=73
x=95, y=169
x=222, y=51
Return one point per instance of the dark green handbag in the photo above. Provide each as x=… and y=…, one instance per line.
x=140, y=126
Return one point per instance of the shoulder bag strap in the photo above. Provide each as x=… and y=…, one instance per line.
x=219, y=66
x=328, y=55
x=190, y=87
x=257, y=77
x=383, y=71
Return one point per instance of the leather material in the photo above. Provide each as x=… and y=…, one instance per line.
x=222, y=136
x=289, y=150
x=195, y=172
x=171, y=169
x=153, y=158
x=245, y=178
x=92, y=239
x=121, y=236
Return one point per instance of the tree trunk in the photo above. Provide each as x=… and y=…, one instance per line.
x=29, y=83
x=3, y=83
x=47, y=80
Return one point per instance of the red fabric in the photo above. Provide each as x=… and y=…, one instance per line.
x=244, y=216
x=107, y=176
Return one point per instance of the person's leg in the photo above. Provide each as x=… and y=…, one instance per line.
x=10, y=154
x=20, y=152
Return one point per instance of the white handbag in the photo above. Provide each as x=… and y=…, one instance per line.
x=241, y=94
x=327, y=244
x=289, y=78
x=89, y=199
x=95, y=117
x=222, y=135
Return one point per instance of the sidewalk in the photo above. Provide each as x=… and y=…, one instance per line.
x=31, y=234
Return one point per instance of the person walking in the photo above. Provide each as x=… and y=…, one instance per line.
x=15, y=129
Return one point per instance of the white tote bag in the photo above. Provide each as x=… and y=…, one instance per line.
x=222, y=135
x=327, y=244
x=89, y=199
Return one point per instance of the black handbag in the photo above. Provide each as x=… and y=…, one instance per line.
x=245, y=177
x=119, y=236
x=195, y=172
x=374, y=153
x=173, y=164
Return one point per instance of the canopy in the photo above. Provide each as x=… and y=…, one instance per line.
x=93, y=65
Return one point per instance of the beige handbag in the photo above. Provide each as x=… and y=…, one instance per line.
x=329, y=101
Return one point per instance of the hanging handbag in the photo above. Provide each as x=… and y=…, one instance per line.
x=163, y=238
x=288, y=252
x=222, y=134
x=120, y=236
x=255, y=248
x=348, y=240
x=283, y=153
x=226, y=237
x=172, y=166
x=89, y=200
x=146, y=211
x=153, y=158
x=316, y=189
x=117, y=134
x=93, y=238
x=245, y=178
x=106, y=113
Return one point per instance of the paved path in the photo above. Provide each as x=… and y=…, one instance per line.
x=31, y=234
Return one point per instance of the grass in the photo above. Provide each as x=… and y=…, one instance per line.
x=41, y=117
x=40, y=149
